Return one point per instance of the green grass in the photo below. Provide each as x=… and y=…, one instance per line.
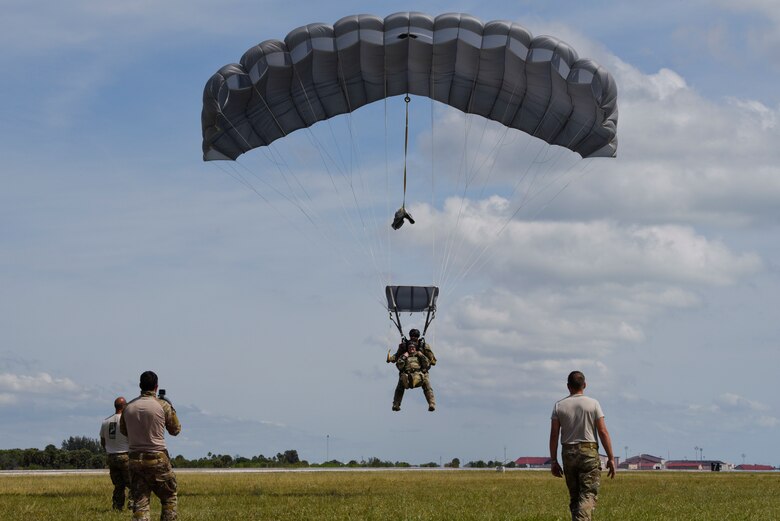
x=407, y=496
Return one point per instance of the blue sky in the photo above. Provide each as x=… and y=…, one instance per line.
x=120, y=250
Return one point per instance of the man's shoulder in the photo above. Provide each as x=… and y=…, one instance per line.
x=590, y=400
x=565, y=399
x=137, y=401
x=134, y=400
x=166, y=405
x=578, y=399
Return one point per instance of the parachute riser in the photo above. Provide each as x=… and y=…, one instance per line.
x=397, y=321
x=395, y=318
x=407, y=304
x=428, y=319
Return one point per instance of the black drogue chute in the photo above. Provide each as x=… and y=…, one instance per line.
x=411, y=299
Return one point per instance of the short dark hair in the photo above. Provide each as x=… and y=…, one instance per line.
x=148, y=381
x=414, y=333
x=576, y=381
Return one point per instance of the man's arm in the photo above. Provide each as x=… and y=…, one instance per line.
x=606, y=442
x=122, y=425
x=555, y=432
x=429, y=354
x=391, y=359
x=172, y=424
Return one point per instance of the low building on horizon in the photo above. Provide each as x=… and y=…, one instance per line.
x=754, y=467
x=643, y=462
x=533, y=462
x=706, y=464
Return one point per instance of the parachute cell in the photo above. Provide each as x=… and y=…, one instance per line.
x=497, y=70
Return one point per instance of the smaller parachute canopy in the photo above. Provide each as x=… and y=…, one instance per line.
x=411, y=298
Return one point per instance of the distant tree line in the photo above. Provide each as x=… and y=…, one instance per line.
x=479, y=464
x=77, y=452
x=81, y=452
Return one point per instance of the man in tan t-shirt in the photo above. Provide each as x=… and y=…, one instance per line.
x=144, y=422
x=576, y=420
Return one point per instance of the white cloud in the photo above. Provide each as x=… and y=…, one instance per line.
x=736, y=410
x=768, y=421
x=586, y=252
x=38, y=384
x=731, y=401
x=682, y=158
x=766, y=115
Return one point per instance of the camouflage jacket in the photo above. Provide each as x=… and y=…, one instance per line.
x=424, y=348
x=413, y=363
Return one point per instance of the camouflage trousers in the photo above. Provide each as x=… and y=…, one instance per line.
x=152, y=472
x=582, y=469
x=398, y=396
x=119, y=470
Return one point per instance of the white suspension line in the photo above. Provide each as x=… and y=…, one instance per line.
x=360, y=238
x=489, y=247
x=584, y=166
x=461, y=173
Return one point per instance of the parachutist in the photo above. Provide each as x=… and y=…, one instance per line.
x=400, y=215
x=413, y=359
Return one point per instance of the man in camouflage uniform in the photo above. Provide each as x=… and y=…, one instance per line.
x=143, y=422
x=115, y=445
x=413, y=359
x=576, y=420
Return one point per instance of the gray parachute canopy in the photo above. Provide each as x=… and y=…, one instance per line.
x=411, y=298
x=498, y=70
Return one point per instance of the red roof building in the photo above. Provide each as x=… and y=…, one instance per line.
x=533, y=462
x=684, y=465
x=707, y=464
x=642, y=462
x=754, y=467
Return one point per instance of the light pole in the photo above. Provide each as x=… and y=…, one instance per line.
x=743, y=458
x=696, y=451
x=626, y=449
x=327, y=447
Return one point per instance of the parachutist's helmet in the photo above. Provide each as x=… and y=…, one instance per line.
x=414, y=333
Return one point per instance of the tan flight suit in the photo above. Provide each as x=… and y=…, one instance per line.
x=413, y=372
x=144, y=421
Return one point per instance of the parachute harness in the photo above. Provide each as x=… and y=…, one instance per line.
x=401, y=213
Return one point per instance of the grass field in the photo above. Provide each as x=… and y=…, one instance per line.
x=385, y=496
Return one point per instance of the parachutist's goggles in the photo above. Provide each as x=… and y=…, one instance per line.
x=400, y=215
